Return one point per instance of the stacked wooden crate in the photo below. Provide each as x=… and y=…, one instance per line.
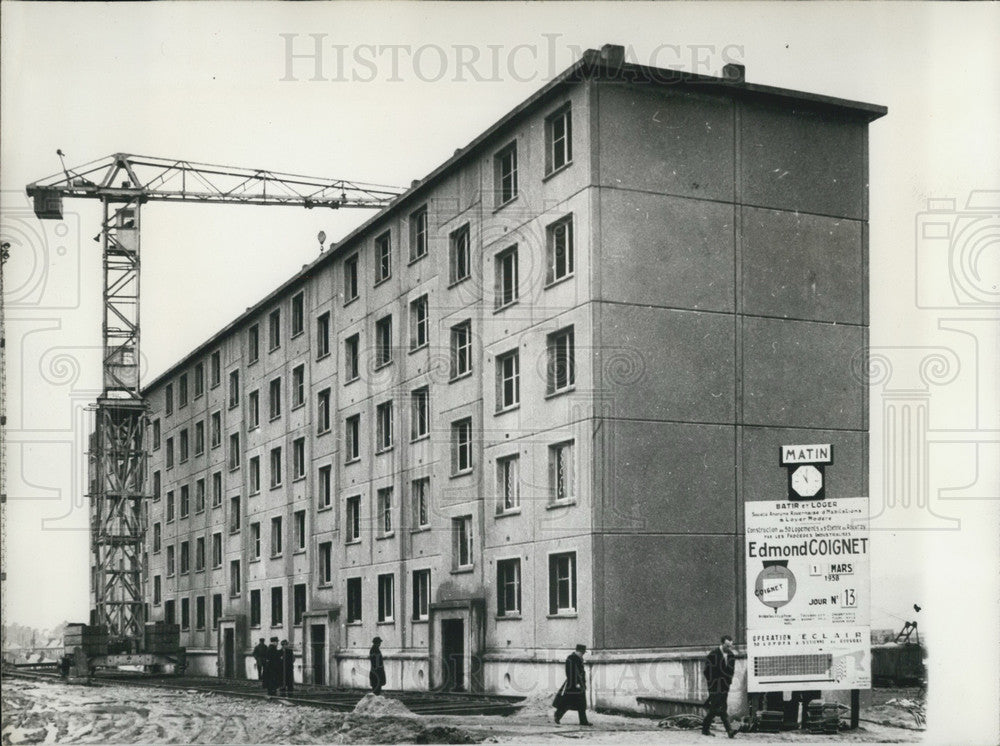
x=161, y=637
x=93, y=640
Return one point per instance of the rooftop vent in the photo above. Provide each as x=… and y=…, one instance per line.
x=733, y=73
x=613, y=55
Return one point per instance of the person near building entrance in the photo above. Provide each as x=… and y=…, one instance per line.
x=272, y=668
x=720, y=663
x=287, y=669
x=259, y=654
x=573, y=693
x=377, y=674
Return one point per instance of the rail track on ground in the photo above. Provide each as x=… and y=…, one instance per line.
x=338, y=700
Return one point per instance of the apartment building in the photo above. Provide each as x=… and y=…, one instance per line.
x=522, y=407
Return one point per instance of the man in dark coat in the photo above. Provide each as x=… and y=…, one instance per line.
x=272, y=668
x=287, y=669
x=259, y=654
x=573, y=694
x=377, y=674
x=719, y=667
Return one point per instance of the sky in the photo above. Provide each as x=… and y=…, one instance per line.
x=395, y=90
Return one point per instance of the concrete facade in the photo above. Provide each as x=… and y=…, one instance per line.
x=717, y=303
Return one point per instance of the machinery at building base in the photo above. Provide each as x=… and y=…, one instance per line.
x=900, y=662
x=118, y=634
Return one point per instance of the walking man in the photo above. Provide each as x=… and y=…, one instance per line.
x=259, y=654
x=377, y=674
x=719, y=667
x=573, y=694
x=272, y=668
x=287, y=669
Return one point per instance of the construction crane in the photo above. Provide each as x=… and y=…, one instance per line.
x=123, y=183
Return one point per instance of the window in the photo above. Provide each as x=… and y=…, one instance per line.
x=199, y=496
x=275, y=467
x=461, y=446
x=182, y=391
x=298, y=603
x=462, y=532
x=215, y=369
x=168, y=399
x=170, y=505
x=299, y=458
x=298, y=314
x=185, y=613
x=168, y=612
x=199, y=438
x=253, y=410
x=418, y=323
x=253, y=343
x=217, y=550
x=351, y=351
x=352, y=438
x=459, y=261
x=562, y=583
x=505, y=284
x=234, y=514
x=217, y=489
x=255, y=607
x=274, y=398
x=170, y=561
x=561, y=369
x=234, y=389
x=157, y=480
x=558, y=140
x=383, y=341
x=505, y=174
x=185, y=501
x=199, y=554
x=508, y=484
x=419, y=489
x=350, y=278
x=234, y=451
x=353, y=600
x=418, y=233
x=298, y=386
x=508, y=380
x=353, y=519
x=323, y=411
x=325, y=563
x=383, y=257
x=157, y=536
x=299, y=529
x=277, y=607
x=170, y=452
x=199, y=380
x=561, y=468
x=383, y=427
x=276, y=537
x=157, y=590
x=274, y=329
x=255, y=540
x=216, y=610
x=509, y=587
x=323, y=335
x=385, y=598
x=156, y=434
x=184, y=445
x=385, y=511
x=461, y=349
x=234, y=578
x=324, y=487
x=216, y=429
x=559, y=250
x=421, y=594
x=420, y=413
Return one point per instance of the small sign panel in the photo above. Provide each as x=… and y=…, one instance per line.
x=815, y=453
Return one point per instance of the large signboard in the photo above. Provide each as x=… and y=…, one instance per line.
x=808, y=614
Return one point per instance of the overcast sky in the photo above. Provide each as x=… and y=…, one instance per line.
x=401, y=87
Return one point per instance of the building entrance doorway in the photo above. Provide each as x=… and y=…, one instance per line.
x=317, y=642
x=453, y=653
x=229, y=653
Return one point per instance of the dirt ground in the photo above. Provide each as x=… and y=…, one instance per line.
x=54, y=712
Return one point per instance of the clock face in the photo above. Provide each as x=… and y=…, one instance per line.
x=807, y=480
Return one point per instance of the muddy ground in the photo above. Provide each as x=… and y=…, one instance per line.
x=54, y=712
